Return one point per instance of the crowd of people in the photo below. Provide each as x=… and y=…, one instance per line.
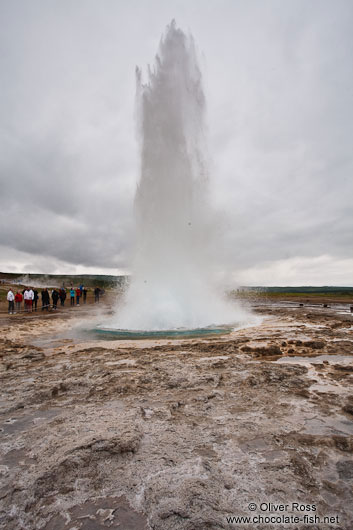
x=30, y=296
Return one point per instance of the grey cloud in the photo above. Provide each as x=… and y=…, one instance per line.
x=278, y=82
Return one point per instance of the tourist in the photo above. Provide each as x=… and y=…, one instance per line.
x=18, y=301
x=31, y=294
x=25, y=298
x=27, y=295
x=78, y=294
x=45, y=299
x=55, y=298
x=62, y=294
x=96, y=294
x=35, y=299
x=84, y=290
x=11, y=301
x=72, y=296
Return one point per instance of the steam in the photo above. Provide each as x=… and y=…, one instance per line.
x=172, y=283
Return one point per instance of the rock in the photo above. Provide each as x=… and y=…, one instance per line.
x=345, y=469
x=263, y=351
x=344, y=443
x=348, y=408
x=343, y=368
x=315, y=344
x=33, y=355
x=116, y=444
x=301, y=467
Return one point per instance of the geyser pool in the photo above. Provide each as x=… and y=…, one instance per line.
x=128, y=334
x=172, y=286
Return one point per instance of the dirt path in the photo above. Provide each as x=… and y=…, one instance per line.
x=177, y=434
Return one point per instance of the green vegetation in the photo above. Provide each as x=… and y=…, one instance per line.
x=326, y=290
x=299, y=291
x=316, y=295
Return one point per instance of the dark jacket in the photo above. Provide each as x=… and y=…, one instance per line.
x=62, y=294
x=55, y=295
x=45, y=297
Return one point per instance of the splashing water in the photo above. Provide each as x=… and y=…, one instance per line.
x=172, y=284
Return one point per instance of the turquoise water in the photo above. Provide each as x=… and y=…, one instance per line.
x=123, y=334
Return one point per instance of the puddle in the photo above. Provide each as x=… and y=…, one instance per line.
x=314, y=326
x=255, y=445
x=16, y=457
x=276, y=454
x=344, y=359
x=331, y=425
x=22, y=423
x=129, y=362
x=217, y=358
x=110, y=512
x=327, y=387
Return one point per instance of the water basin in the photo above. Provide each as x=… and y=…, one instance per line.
x=123, y=334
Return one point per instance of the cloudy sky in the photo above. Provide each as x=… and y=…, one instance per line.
x=278, y=79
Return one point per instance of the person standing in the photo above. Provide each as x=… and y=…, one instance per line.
x=28, y=300
x=84, y=295
x=78, y=293
x=62, y=295
x=31, y=295
x=96, y=294
x=11, y=301
x=35, y=299
x=72, y=296
x=18, y=301
x=55, y=298
x=45, y=299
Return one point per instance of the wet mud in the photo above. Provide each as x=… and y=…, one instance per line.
x=175, y=434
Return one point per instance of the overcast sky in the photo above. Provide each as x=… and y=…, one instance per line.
x=278, y=78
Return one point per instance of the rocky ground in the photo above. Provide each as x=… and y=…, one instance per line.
x=177, y=434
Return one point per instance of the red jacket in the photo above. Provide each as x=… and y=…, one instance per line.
x=78, y=292
x=18, y=297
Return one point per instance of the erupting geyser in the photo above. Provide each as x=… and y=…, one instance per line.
x=172, y=282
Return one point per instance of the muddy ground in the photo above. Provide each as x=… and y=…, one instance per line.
x=177, y=434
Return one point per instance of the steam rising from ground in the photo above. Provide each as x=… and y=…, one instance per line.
x=172, y=284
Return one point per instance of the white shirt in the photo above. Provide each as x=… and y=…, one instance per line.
x=10, y=296
x=27, y=295
x=31, y=295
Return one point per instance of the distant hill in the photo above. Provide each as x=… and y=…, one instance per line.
x=51, y=280
x=327, y=289
x=106, y=281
